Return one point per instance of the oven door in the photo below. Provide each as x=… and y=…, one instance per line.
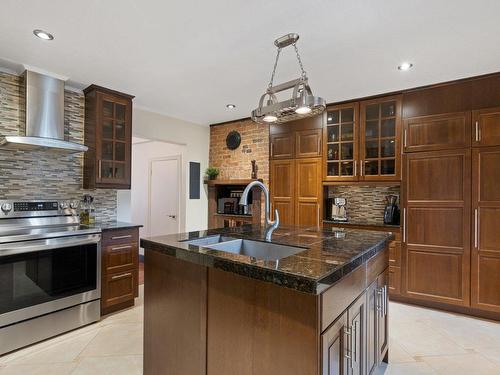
x=41, y=276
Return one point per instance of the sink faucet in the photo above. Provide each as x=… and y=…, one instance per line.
x=270, y=226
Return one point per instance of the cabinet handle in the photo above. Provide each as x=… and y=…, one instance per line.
x=355, y=168
x=379, y=302
x=347, y=354
x=121, y=247
x=404, y=225
x=99, y=168
x=121, y=237
x=405, y=137
x=319, y=216
x=354, y=341
x=272, y=149
x=476, y=224
x=362, y=167
x=385, y=300
x=121, y=276
x=477, y=130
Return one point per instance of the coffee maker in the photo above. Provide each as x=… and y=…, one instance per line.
x=337, y=209
x=391, y=211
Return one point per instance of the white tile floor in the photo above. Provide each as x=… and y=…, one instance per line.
x=423, y=341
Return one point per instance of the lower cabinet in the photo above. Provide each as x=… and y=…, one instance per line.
x=335, y=347
x=358, y=341
x=119, y=269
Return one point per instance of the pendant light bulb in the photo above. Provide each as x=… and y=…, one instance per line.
x=270, y=118
x=303, y=110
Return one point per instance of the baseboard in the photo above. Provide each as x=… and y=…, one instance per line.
x=451, y=308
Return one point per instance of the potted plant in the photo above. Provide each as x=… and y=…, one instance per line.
x=212, y=173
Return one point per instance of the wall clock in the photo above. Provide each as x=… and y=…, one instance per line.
x=233, y=140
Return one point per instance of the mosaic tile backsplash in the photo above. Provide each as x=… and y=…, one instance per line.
x=365, y=204
x=43, y=174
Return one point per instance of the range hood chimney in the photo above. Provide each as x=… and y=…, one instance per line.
x=44, y=117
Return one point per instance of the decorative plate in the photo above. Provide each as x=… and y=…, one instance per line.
x=233, y=140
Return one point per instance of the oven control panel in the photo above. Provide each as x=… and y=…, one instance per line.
x=36, y=208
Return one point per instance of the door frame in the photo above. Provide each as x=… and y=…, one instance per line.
x=178, y=158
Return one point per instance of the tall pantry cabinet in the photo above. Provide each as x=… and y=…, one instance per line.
x=296, y=171
x=451, y=202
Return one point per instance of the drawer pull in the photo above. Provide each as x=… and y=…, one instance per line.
x=121, y=276
x=121, y=237
x=121, y=247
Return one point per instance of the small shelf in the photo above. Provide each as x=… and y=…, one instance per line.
x=230, y=182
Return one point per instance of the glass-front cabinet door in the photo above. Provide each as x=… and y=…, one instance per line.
x=380, y=134
x=340, y=148
x=113, y=141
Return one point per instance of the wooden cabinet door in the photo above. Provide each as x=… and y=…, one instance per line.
x=282, y=146
x=356, y=319
x=113, y=141
x=334, y=354
x=118, y=288
x=308, y=191
x=436, y=226
x=486, y=127
x=120, y=257
x=380, y=139
x=283, y=189
x=437, y=132
x=485, y=270
x=341, y=143
x=308, y=143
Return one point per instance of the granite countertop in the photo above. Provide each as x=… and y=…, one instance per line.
x=113, y=224
x=362, y=223
x=329, y=254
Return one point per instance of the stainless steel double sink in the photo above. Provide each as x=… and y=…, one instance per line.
x=256, y=249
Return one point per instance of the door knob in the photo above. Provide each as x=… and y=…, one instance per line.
x=172, y=216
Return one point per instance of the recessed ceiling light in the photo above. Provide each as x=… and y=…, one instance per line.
x=230, y=106
x=405, y=66
x=43, y=34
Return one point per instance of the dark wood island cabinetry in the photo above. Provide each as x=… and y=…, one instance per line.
x=320, y=311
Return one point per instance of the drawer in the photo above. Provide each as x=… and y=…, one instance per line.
x=395, y=253
x=118, y=288
x=394, y=280
x=120, y=257
x=112, y=237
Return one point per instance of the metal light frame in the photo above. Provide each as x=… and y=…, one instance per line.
x=302, y=96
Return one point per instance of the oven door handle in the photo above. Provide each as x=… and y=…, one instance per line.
x=47, y=244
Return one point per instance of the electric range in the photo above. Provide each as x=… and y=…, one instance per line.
x=50, y=271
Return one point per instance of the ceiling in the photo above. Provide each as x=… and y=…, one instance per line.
x=188, y=59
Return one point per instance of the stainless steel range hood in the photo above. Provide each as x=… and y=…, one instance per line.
x=44, y=129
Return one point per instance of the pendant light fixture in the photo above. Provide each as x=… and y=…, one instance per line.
x=302, y=102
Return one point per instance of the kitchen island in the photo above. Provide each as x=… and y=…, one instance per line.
x=223, y=301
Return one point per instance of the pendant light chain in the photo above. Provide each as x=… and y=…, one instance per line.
x=303, y=72
x=304, y=75
x=274, y=70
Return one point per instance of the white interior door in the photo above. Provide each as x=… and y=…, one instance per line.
x=164, y=189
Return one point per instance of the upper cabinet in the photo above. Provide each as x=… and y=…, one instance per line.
x=363, y=141
x=340, y=136
x=486, y=127
x=380, y=140
x=282, y=146
x=437, y=132
x=108, y=134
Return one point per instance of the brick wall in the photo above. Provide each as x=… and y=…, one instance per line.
x=236, y=164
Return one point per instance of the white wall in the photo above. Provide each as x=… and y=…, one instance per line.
x=193, y=142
